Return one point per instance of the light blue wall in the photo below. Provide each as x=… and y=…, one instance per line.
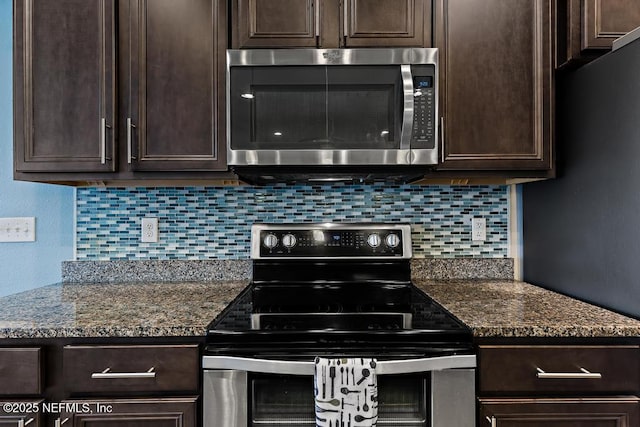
x=27, y=265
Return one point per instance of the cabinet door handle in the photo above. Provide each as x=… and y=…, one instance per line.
x=442, y=139
x=583, y=374
x=130, y=127
x=59, y=423
x=103, y=140
x=492, y=421
x=107, y=374
x=22, y=423
x=345, y=20
x=316, y=6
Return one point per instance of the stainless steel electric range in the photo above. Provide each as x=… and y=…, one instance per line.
x=335, y=290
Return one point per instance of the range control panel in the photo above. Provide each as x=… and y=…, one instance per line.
x=331, y=240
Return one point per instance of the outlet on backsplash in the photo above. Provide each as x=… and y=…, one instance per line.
x=150, y=230
x=478, y=229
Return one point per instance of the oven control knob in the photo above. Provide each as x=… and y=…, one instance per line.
x=392, y=240
x=373, y=240
x=289, y=240
x=270, y=241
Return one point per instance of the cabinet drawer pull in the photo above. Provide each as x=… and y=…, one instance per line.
x=492, y=421
x=59, y=423
x=107, y=374
x=583, y=374
x=21, y=423
x=316, y=11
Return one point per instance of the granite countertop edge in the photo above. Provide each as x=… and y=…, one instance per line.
x=525, y=311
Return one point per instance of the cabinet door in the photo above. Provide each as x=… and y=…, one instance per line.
x=21, y=413
x=387, y=23
x=495, y=83
x=275, y=23
x=606, y=20
x=64, y=68
x=161, y=412
x=586, y=412
x=176, y=57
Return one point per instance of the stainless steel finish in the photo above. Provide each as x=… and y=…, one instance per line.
x=392, y=240
x=328, y=157
x=407, y=115
x=107, y=374
x=492, y=421
x=453, y=398
x=403, y=230
x=442, y=136
x=373, y=240
x=345, y=20
x=225, y=398
x=256, y=317
x=631, y=36
x=21, y=423
x=316, y=7
x=103, y=140
x=377, y=56
x=385, y=367
x=130, y=127
x=583, y=374
x=59, y=422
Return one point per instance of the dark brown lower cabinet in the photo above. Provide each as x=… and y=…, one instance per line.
x=20, y=413
x=576, y=412
x=160, y=412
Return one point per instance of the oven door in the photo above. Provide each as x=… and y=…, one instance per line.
x=430, y=392
x=301, y=107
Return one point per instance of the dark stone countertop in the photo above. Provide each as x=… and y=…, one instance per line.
x=509, y=308
x=115, y=310
x=491, y=308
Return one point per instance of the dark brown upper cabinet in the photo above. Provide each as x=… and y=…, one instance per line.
x=496, y=87
x=166, y=113
x=587, y=28
x=331, y=23
x=175, y=100
x=64, y=85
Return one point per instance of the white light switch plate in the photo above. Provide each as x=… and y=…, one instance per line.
x=18, y=229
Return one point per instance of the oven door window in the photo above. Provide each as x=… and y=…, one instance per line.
x=280, y=401
x=316, y=107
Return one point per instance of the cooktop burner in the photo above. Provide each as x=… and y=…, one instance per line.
x=335, y=297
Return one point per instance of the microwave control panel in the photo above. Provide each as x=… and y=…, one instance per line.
x=424, y=107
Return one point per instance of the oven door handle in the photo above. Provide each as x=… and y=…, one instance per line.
x=386, y=367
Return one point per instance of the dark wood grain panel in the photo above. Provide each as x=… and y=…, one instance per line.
x=387, y=23
x=176, y=368
x=606, y=20
x=512, y=369
x=274, y=23
x=64, y=71
x=177, y=84
x=161, y=412
x=496, y=83
x=586, y=412
x=17, y=418
x=20, y=371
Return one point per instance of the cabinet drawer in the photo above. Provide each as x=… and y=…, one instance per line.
x=559, y=369
x=146, y=368
x=20, y=372
x=21, y=413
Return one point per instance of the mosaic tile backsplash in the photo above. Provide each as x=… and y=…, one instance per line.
x=214, y=222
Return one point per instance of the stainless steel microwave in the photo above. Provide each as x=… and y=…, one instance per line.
x=332, y=107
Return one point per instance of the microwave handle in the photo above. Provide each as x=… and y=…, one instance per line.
x=407, y=115
x=386, y=367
